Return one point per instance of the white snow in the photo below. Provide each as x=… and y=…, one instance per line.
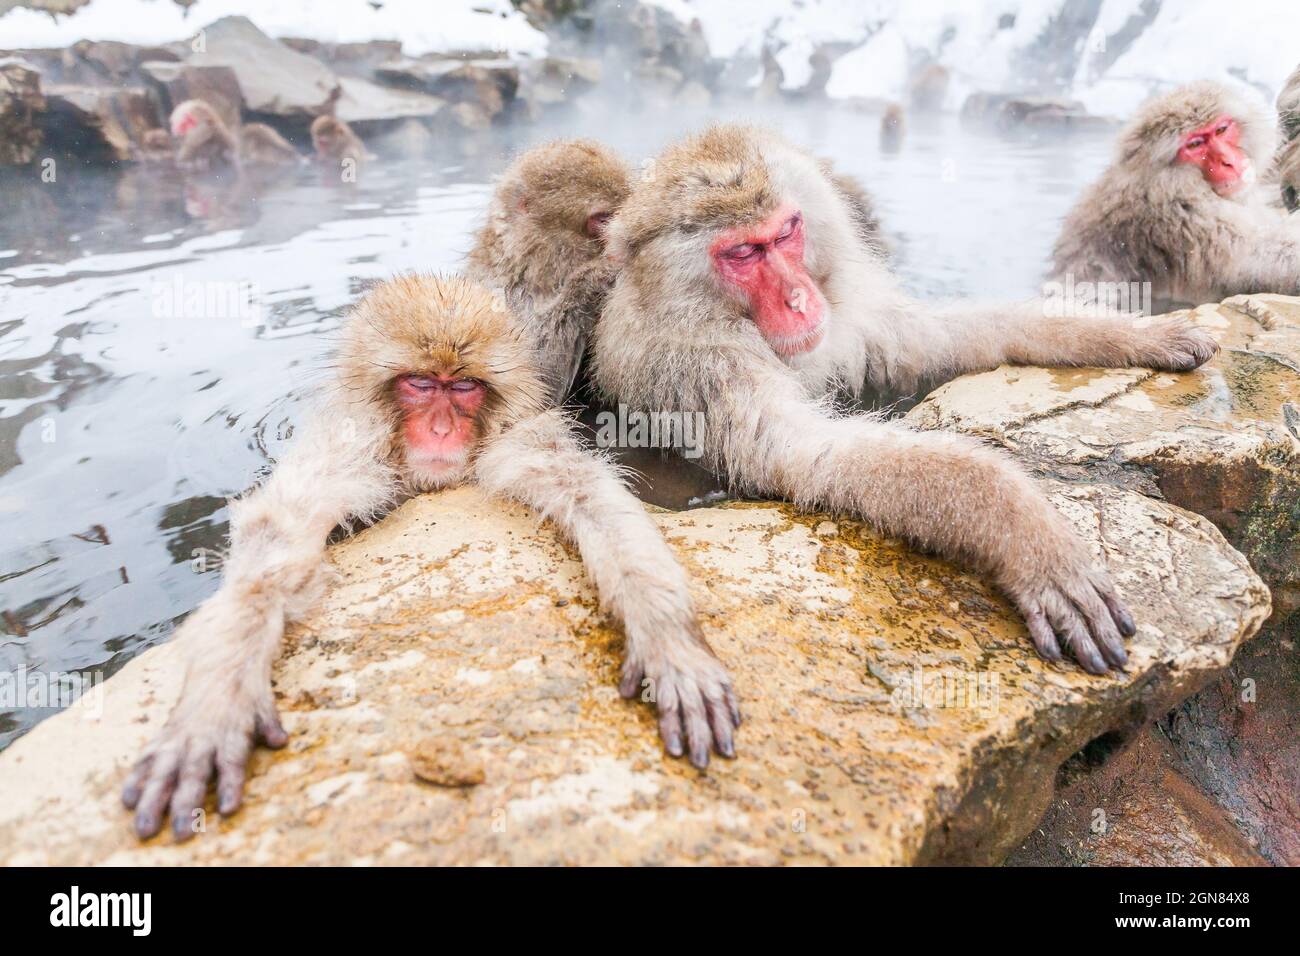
x=423, y=26
x=1251, y=43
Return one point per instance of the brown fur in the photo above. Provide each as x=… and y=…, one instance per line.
x=1150, y=219
x=536, y=249
x=210, y=144
x=334, y=141
x=260, y=145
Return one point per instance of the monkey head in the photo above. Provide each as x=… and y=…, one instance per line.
x=443, y=359
x=733, y=214
x=1200, y=134
x=565, y=192
x=331, y=137
x=190, y=115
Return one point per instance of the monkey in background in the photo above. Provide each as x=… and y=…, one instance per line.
x=893, y=124
x=1180, y=207
x=206, y=142
x=1288, y=158
x=335, y=142
x=543, y=246
x=747, y=295
x=436, y=387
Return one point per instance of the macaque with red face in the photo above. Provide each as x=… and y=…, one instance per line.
x=205, y=140
x=748, y=294
x=1180, y=206
x=436, y=386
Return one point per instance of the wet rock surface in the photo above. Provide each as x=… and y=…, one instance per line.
x=895, y=711
x=1222, y=441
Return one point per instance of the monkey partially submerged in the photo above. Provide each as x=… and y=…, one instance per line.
x=436, y=387
x=1181, y=205
x=748, y=295
x=543, y=246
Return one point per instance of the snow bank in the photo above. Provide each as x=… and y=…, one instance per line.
x=423, y=26
x=980, y=41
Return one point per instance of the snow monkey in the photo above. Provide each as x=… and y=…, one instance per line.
x=335, y=142
x=1179, y=206
x=435, y=387
x=206, y=142
x=543, y=246
x=747, y=295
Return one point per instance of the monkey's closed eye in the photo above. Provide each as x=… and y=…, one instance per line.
x=466, y=385
x=742, y=252
x=596, y=224
x=789, y=228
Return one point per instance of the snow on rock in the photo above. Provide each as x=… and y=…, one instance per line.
x=423, y=26
x=1119, y=57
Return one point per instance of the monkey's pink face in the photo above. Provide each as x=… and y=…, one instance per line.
x=184, y=123
x=440, y=415
x=765, y=264
x=1214, y=149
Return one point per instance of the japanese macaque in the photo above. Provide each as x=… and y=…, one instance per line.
x=205, y=140
x=1179, y=206
x=335, y=143
x=435, y=387
x=260, y=145
x=747, y=295
x=892, y=127
x=1288, y=124
x=543, y=246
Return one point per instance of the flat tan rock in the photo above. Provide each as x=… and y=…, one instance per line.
x=1223, y=441
x=895, y=711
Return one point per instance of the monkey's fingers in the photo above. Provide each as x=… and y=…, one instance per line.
x=720, y=719
x=633, y=675
x=268, y=728
x=134, y=785
x=191, y=790
x=699, y=735
x=670, y=730
x=1102, y=626
x=1041, y=632
x=1070, y=624
x=156, y=794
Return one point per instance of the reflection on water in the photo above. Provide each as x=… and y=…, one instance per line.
x=129, y=413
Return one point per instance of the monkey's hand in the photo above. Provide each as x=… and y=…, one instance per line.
x=223, y=711
x=692, y=692
x=1066, y=598
x=1174, y=345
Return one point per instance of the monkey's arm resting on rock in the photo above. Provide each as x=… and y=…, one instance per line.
x=274, y=573
x=945, y=341
x=947, y=493
x=540, y=463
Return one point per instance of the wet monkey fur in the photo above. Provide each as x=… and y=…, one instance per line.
x=748, y=294
x=435, y=387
